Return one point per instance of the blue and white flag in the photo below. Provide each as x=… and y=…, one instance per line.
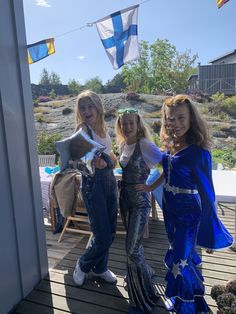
x=119, y=36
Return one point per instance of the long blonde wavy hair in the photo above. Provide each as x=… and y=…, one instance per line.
x=96, y=101
x=198, y=132
x=142, y=129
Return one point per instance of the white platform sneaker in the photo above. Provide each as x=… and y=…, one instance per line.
x=78, y=275
x=108, y=276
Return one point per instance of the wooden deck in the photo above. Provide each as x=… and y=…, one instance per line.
x=57, y=293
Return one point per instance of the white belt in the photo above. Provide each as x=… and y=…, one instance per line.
x=177, y=190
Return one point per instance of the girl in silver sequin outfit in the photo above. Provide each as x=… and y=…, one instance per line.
x=137, y=156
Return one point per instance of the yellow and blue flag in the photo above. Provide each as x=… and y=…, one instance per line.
x=220, y=3
x=40, y=50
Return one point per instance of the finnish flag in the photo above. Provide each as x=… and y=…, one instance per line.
x=119, y=36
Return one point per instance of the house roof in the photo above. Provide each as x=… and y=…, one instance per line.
x=192, y=76
x=223, y=56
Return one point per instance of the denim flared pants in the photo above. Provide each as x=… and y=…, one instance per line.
x=100, y=198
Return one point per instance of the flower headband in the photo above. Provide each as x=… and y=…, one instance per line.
x=123, y=111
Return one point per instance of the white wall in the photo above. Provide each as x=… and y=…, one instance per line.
x=23, y=257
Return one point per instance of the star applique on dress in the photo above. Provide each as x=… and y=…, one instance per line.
x=175, y=270
x=183, y=263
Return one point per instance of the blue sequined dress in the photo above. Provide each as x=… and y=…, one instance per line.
x=190, y=219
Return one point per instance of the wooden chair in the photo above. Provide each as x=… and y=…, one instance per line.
x=79, y=219
x=81, y=224
x=47, y=160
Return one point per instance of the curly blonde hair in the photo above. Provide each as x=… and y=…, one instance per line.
x=142, y=129
x=198, y=132
x=96, y=101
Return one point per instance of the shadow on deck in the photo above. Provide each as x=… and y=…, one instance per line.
x=57, y=293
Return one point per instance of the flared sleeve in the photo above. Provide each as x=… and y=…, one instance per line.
x=212, y=233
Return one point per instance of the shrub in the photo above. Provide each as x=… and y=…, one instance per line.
x=46, y=143
x=225, y=300
x=53, y=94
x=218, y=97
x=199, y=97
x=39, y=118
x=225, y=297
x=44, y=99
x=67, y=110
x=217, y=290
x=115, y=148
x=156, y=140
x=224, y=156
x=233, y=307
x=156, y=126
x=231, y=286
x=229, y=105
x=35, y=102
x=133, y=96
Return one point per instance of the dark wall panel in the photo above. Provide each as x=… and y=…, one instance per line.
x=22, y=238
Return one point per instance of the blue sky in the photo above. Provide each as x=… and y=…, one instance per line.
x=188, y=24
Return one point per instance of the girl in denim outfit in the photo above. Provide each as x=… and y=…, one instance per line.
x=137, y=155
x=99, y=192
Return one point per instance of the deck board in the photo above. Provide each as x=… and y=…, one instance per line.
x=57, y=293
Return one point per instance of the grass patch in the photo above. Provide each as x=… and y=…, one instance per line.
x=41, y=118
x=154, y=114
x=41, y=110
x=56, y=104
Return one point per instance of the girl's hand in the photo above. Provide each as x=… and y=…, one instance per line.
x=100, y=163
x=143, y=188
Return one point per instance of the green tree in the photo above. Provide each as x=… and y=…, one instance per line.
x=136, y=73
x=44, y=77
x=94, y=84
x=54, y=79
x=74, y=87
x=47, y=79
x=115, y=85
x=53, y=94
x=161, y=68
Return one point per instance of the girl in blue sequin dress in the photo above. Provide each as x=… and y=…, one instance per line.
x=188, y=203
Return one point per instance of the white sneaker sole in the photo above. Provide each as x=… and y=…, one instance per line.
x=78, y=283
x=101, y=276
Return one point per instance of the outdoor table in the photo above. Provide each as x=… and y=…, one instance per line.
x=225, y=189
x=45, y=181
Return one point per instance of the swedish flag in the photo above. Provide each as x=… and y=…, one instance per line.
x=220, y=3
x=40, y=50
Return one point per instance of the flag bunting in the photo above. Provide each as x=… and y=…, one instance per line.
x=40, y=50
x=220, y=3
x=119, y=36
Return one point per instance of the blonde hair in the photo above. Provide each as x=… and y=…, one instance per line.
x=198, y=132
x=142, y=129
x=96, y=101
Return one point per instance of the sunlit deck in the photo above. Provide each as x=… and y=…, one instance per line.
x=58, y=294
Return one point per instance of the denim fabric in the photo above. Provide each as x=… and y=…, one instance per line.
x=100, y=198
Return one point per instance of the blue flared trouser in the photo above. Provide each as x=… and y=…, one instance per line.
x=100, y=198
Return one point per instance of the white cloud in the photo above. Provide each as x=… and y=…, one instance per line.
x=43, y=3
x=81, y=57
